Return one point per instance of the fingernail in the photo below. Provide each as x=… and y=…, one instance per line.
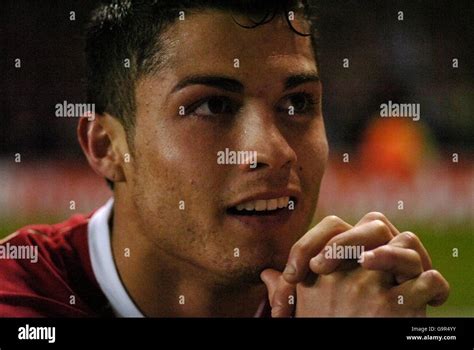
x=289, y=269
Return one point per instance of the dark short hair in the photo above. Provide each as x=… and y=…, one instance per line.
x=130, y=29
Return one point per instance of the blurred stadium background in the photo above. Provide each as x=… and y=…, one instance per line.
x=402, y=168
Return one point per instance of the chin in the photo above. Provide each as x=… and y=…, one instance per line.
x=248, y=271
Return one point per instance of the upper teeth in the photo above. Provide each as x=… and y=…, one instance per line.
x=264, y=204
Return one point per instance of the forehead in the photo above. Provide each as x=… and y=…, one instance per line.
x=213, y=40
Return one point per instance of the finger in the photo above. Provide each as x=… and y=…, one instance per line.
x=311, y=244
x=366, y=236
x=281, y=294
x=429, y=288
x=351, y=264
x=411, y=241
x=271, y=279
x=378, y=216
x=404, y=264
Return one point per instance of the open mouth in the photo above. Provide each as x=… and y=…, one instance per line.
x=263, y=207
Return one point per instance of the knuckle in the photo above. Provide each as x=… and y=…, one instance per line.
x=389, y=253
x=411, y=238
x=411, y=241
x=333, y=220
x=405, y=252
x=381, y=227
x=299, y=248
x=388, y=250
x=434, y=277
x=375, y=215
x=415, y=257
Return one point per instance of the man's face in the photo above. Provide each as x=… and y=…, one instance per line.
x=184, y=199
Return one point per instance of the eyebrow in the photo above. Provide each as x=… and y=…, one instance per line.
x=220, y=82
x=233, y=85
x=299, y=79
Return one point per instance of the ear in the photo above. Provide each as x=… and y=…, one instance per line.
x=103, y=140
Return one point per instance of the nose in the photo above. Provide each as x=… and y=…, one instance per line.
x=261, y=134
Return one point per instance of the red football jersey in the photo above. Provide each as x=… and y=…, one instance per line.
x=56, y=278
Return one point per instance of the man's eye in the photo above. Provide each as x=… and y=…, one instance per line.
x=215, y=105
x=299, y=103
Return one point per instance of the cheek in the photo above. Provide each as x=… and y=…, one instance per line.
x=179, y=161
x=312, y=158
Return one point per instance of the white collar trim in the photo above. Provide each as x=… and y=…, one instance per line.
x=103, y=265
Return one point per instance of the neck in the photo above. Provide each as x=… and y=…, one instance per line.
x=163, y=285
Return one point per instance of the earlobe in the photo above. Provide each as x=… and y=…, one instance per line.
x=100, y=145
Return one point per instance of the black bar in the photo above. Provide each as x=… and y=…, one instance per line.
x=320, y=333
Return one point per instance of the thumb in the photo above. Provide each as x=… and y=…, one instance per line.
x=271, y=278
x=281, y=294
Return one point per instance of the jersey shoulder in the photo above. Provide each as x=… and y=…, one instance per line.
x=46, y=271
